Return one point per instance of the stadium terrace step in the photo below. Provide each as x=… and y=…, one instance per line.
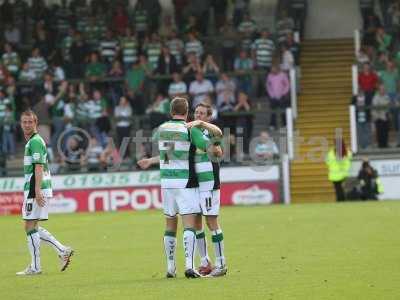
x=326, y=89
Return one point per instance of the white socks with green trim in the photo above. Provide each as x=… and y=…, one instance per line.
x=49, y=239
x=218, y=242
x=33, y=239
x=202, y=248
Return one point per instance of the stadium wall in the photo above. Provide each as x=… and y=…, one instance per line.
x=140, y=190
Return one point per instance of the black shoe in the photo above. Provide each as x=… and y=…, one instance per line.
x=190, y=273
x=171, y=275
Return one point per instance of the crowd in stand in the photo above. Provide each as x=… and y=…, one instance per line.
x=378, y=100
x=89, y=65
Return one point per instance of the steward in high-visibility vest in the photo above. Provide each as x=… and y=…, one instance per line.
x=339, y=163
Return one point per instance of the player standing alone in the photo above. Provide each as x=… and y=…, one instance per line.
x=37, y=193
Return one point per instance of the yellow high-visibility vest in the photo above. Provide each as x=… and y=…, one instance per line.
x=338, y=169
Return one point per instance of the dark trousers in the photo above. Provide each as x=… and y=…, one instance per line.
x=339, y=191
x=382, y=128
x=278, y=106
x=228, y=56
x=123, y=131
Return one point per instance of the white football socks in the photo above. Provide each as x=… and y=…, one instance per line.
x=189, y=244
x=49, y=239
x=33, y=239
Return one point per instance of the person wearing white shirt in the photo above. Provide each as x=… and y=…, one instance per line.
x=177, y=87
x=200, y=89
x=287, y=59
x=123, y=114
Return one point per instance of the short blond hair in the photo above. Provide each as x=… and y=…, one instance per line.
x=179, y=106
x=30, y=113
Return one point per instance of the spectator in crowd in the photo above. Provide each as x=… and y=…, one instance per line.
x=278, y=86
x=380, y=62
x=214, y=111
x=8, y=136
x=167, y=62
x=210, y=68
x=229, y=37
x=192, y=67
x=200, y=88
x=4, y=74
x=12, y=35
x=366, y=7
x=93, y=157
x=141, y=20
x=44, y=43
x=120, y=20
x=369, y=181
x=78, y=53
x=191, y=25
x=368, y=81
x=167, y=28
x=240, y=7
x=226, y=91
x=153, y=9
x=95, y=70
x=176, y=47
x=394, y=14
x=293, y=46
x=284, y=26
x=244, y=64
x=177, y=87
x=245, y=119
x=37, y=63
x=73, y=158
x=383, y=40
x=220, y=9
x=201, y=10
x=42, y=110
x=362, y=57
x=265, y=148
x=179, y=9
x=123, y=114
x=135, y=83
x=371, y=24
x=380, y=116
x=152, y=48
x=115, y=89
x=109, y=47
x=56, y=69
x=263, y=50
x=193, y=45
x=247, y=29
x=10, y=59
x=56, y=103
x=338, y=161
x=129, y=48
x=27, y=74
x=159, y=110
x=96, y=108
x=116, y=70
x=363, y=119
x=389, y=78
x=287, y=59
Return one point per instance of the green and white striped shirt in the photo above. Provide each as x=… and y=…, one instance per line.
x=37, y=65
x=177, y=146
x=129, y=48
x=11, y=62
x=36, y=153
x=207, y=171
x=264, y=49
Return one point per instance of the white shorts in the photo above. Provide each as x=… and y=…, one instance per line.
x=180, y=201
x=210, y=202
x=32, y=211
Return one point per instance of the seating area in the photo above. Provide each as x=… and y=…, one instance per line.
x=378, y=98
x=111, y=69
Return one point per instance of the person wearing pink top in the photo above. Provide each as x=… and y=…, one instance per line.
x=278, y=86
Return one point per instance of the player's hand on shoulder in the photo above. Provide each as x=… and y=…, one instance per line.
x=196, y=123
x=144, y=163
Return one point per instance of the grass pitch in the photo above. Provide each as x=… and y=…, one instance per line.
x=327, y=251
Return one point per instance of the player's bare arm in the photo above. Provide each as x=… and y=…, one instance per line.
x=213, y=129
x=38, y=183
x=146, y=163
